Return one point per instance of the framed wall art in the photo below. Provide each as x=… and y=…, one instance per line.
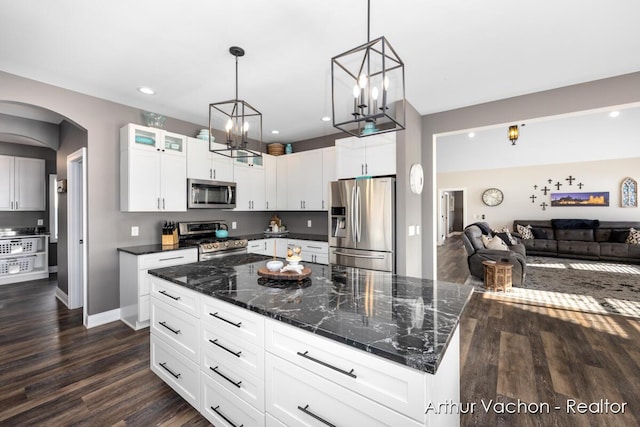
x=629, y=193
x=594, y=198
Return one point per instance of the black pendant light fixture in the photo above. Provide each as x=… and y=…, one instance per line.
x=514, y=133
x=242, y=124
x=367, y=88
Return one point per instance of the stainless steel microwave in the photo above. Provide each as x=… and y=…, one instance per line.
x=204, y=194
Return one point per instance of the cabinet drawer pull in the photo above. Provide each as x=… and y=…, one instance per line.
x=313, y=359
x=311, y=414
x=175, y=331
x=237, y=384
x=166, y=294
x=314, y=247
x=170, y=258
x=225, y=348
x=237, y=325
x=223, y=417
x=164, y=366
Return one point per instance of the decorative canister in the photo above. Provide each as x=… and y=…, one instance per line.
x=288, y=149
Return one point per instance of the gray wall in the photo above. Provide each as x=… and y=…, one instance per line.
x=601, y=93
x=408, y=205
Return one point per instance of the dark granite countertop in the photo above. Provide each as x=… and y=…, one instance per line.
x=298, y=236
x=155, y=248
x=406, y=320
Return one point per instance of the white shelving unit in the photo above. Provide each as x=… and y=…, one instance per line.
x=24, y=258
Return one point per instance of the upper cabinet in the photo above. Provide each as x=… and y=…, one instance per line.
x=270, y=182
x=371, y=156
x=203, y=164
x=328, y=173
x=153, y=170
x=304, y=181
x=250, y=186
x=22, y=184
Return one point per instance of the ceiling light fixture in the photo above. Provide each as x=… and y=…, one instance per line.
x=146, y=90
x=614, y=114
x=367, y=88
x=241, y=122
x=514, y=133
x=275, y=131
x=471, y=134
x=326, y=119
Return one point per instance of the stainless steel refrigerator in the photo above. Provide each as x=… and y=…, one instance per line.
x=362, y=223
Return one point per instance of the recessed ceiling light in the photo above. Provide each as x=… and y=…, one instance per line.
x=326, y=119
x=614, y=114
x=471, y=134
x=146, y=90
x=275, y=131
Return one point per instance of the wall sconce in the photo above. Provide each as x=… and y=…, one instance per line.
x=513, y=134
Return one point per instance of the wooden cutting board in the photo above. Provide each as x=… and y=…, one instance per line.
x=287, y=275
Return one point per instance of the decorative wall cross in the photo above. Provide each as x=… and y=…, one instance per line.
x=533, y=198
x=549, y=181
x=544, y=206
x=558, y=185
x=545, y=189
x=535, y=187
x=581, y=185
x=570, y=179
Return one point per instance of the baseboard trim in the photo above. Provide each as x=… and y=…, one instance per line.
x=62, y=297
x=103, y=318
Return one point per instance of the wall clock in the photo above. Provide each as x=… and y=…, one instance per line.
x=416, y=178
x=492, y=197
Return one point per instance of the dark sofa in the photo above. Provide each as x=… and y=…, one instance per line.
x=515, y=255
x=581, y=239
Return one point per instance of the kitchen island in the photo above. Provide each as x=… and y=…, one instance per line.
x=348, y=346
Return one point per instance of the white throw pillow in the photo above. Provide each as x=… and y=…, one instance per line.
x=633, y=238
x=525, y=232
x=494, y=243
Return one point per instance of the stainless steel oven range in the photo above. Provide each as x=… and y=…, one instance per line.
x=203, y=235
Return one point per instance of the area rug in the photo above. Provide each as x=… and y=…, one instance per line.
x=589, y=286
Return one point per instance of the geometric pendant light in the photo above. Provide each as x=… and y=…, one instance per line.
x=242, y=124
x=367, y=88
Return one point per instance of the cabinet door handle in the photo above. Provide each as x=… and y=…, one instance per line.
x=210, y=173
x=323, y=204
x=163, y=204
x=366, y=168
x=225, y=348
x=313, y=359
x=214, y=174
x=158, y=202
x=164, y=366
x=362, y=168
x=11, y=204
x=175, y=331
x=237, y=384
x=314, y=247
x=267, y=204
x=224, y=417
x=317, y=417
x=174, y=257
x=237, y=325
x=166, y=294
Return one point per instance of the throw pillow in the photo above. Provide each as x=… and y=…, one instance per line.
x=634, y=237
x=506, y=236
x=538, y=233
x=618, y=236
x=494, y=243
x=525, y=232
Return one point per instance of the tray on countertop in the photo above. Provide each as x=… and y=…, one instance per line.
x=276, y=233
x=286, y=275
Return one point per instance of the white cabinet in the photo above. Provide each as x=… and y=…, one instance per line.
x=262, y=246
x=282, y=166
x=135, y=281
x=153, y=170
x=250, y=190
x=328, y=173
x=270, y=182
x=304, y=181
x=203, y=164
x=24, y=258
x=371, y=156
x=312, y=251
x=22, y=184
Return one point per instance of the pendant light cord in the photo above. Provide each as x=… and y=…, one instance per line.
x=368, y=21
x=236, y=76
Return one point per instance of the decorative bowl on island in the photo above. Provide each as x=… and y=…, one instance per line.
x=275, y=265
x=294, y=260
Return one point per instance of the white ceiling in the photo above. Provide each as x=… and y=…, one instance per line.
x=456, y=52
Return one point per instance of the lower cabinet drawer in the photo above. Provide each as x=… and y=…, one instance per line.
x=224, y=409
x=179, y=329
x=295, y=396
x=180, y=373
x=176, y=296
x=388, y=383
x=237, y=321
x=273, y=422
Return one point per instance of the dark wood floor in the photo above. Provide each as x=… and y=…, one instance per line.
x=55, y=372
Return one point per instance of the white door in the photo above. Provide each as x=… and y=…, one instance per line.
x=222, y=166
x=198, y=162
x=76, y=235
x=349, y=158
x=328, y=173
x=144, y=181
x=270, y=182
x=173, y=183
x=380, y=155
